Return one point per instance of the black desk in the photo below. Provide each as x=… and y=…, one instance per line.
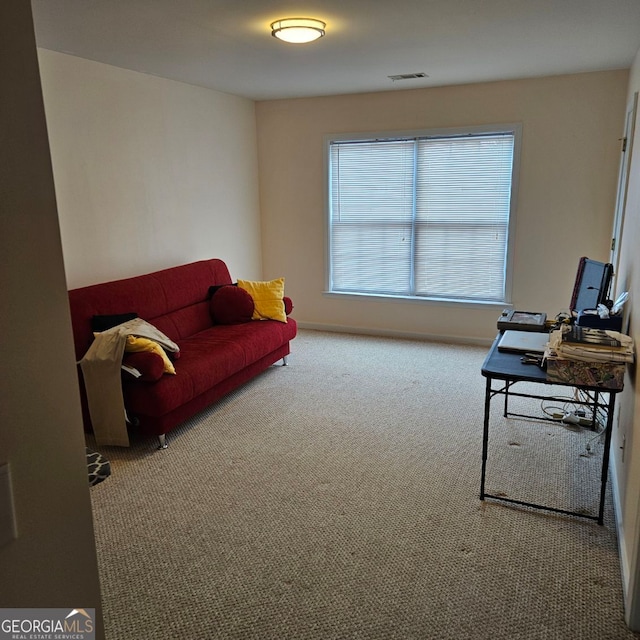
x=507, y=369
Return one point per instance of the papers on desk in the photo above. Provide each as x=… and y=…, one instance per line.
x=591, y=345
x=588, y=357
x=523, y=342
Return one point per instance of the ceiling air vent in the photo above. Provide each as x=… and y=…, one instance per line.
x=408, y=76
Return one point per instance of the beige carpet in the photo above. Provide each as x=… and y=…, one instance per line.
x=338, y=498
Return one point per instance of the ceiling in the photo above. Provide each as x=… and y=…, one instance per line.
x=226, y=44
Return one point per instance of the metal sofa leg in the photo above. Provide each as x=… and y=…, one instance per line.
x=284, y=361
x=162, y=439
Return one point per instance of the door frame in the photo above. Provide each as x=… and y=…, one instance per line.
x=623, y=184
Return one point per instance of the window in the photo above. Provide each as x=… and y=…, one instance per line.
x=425, y=216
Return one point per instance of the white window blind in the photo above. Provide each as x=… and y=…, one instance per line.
x=421, y=216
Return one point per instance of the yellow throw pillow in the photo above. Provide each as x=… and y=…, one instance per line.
x=144, y=344
x=267, y=299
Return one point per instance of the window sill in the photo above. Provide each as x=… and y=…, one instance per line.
x=487, y=304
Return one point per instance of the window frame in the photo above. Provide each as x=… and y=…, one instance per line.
x=510, y=128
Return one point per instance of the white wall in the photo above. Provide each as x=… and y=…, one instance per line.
x=626, y=462
x=149, y=173
x=52, y=563
x=566, y=191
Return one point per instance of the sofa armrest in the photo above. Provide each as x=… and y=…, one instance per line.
x=150, y=365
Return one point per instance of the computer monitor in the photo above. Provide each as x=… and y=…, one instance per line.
x=592, y=283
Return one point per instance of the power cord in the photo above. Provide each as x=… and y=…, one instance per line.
x=560, y=319
x=575, y=413
x=569, y=413
x=599, y=435
x=573, y=416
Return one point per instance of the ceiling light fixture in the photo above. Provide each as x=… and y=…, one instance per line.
x=298, y=30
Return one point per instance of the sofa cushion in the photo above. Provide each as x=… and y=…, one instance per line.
x=208, y=359
x=231, y=305
x=267, y=298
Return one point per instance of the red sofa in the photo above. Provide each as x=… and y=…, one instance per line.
x=214, y=358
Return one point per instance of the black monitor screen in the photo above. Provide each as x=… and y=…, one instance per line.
x=592, y=284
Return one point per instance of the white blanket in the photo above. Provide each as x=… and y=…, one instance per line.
x=102, y=378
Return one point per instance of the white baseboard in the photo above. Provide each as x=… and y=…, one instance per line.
x=389, y=333
x=629, y=580
x=625, y=565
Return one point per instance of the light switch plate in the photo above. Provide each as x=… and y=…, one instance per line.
x=8, y=530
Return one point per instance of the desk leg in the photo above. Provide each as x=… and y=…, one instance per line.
x=605, y=455
x=507, y=385
x=485, y=434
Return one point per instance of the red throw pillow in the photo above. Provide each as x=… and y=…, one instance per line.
x=149, y=364
x=231, y=305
